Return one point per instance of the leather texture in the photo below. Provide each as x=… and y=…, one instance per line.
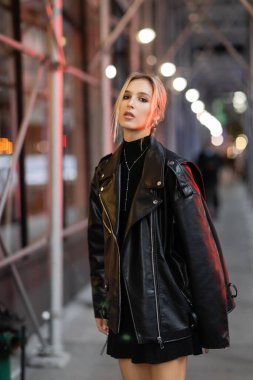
x=170, y=261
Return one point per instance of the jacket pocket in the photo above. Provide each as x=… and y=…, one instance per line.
x=181, y=277
x=193, y=318
x=179, y=269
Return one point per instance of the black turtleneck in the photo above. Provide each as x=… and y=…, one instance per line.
x=131, y=151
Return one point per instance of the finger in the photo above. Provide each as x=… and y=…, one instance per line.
x=105, y=327
x=104, y=330
x=102, y=327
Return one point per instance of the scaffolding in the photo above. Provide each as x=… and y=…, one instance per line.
x=54, y=354
x=57, y=65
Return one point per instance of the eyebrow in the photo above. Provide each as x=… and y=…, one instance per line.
x=139, y=93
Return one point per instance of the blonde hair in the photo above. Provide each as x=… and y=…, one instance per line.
x=158, y=103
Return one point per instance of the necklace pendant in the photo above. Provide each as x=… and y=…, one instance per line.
x=128, y=172
x=127, y=190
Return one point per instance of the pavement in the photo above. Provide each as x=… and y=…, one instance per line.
x=84, y=343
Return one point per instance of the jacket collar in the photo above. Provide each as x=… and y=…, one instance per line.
x=153, y=169
x=144, y=200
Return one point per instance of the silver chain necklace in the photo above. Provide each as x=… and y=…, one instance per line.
x=128, y=172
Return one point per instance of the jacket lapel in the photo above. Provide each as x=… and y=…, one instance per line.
x=109, y=188
x=146, y=197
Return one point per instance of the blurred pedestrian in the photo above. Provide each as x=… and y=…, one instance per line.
x=210, y=163
x=160, y=286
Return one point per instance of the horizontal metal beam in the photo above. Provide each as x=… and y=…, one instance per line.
x=24, y=252
x=23, y=49
x=75, y=228
x=82, y=75
x=43, y=242
x=44, y=59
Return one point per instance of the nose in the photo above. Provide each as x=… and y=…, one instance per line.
x=130, y=102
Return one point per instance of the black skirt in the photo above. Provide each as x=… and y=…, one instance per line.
x=124, y=345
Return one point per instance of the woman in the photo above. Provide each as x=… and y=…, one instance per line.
x=159, y=283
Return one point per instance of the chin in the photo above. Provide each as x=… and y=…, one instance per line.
x=133, y=127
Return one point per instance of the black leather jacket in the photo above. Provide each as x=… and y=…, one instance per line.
x=171, y=260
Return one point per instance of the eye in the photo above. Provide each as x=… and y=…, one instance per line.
x=143, y=100
x=125, y=97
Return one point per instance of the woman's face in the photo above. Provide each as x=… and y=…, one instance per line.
x=135, y=107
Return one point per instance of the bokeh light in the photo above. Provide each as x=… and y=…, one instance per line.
x=146, y=35
x=168, y=69
x=111, y=71
x=192, y=95
x=179, y=84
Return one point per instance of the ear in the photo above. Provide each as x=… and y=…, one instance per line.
x=156, y=120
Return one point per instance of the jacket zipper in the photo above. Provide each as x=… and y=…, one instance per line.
x=171, y=252
x=108, y=229
x=104, y=208
x=159, y=338
x=131, y=310
x=185, y=296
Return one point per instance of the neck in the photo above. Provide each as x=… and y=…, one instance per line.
x=135, y=135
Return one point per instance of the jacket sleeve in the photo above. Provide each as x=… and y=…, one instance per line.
x=96, y=250
x=205, y=262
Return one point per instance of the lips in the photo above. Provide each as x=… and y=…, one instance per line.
x=128, y=114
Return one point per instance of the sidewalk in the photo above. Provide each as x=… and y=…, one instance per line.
x=83, y=342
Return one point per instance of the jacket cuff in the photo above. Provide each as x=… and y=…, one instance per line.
x=101, y=313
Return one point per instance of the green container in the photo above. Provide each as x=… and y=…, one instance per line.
x=5, y=368
x=7, y=339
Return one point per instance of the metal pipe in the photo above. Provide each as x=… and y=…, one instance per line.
x=229, y=47
x=32, y=248
x=56, y=133
x=55, y=39
x=71, y=230
x=24, y=296
x=27, y=251
x=105, y=82
x=83, y=76
x=178, y=43
x=20, y=139
x=134, y=46
x=22, y=201
x=28, y=305
x=115, y=33
x=249, y=8
x=44, y=59
x=184, y=34
x=19, y=46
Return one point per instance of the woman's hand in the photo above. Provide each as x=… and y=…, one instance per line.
x=102, y=325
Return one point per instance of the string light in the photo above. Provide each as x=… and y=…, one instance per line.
x=168, y=69
x=111, y=71
x=179, y=84
x=192, y=95
x=146, y=35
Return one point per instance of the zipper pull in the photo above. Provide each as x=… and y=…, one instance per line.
x=159, y=340
x=104, y=347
